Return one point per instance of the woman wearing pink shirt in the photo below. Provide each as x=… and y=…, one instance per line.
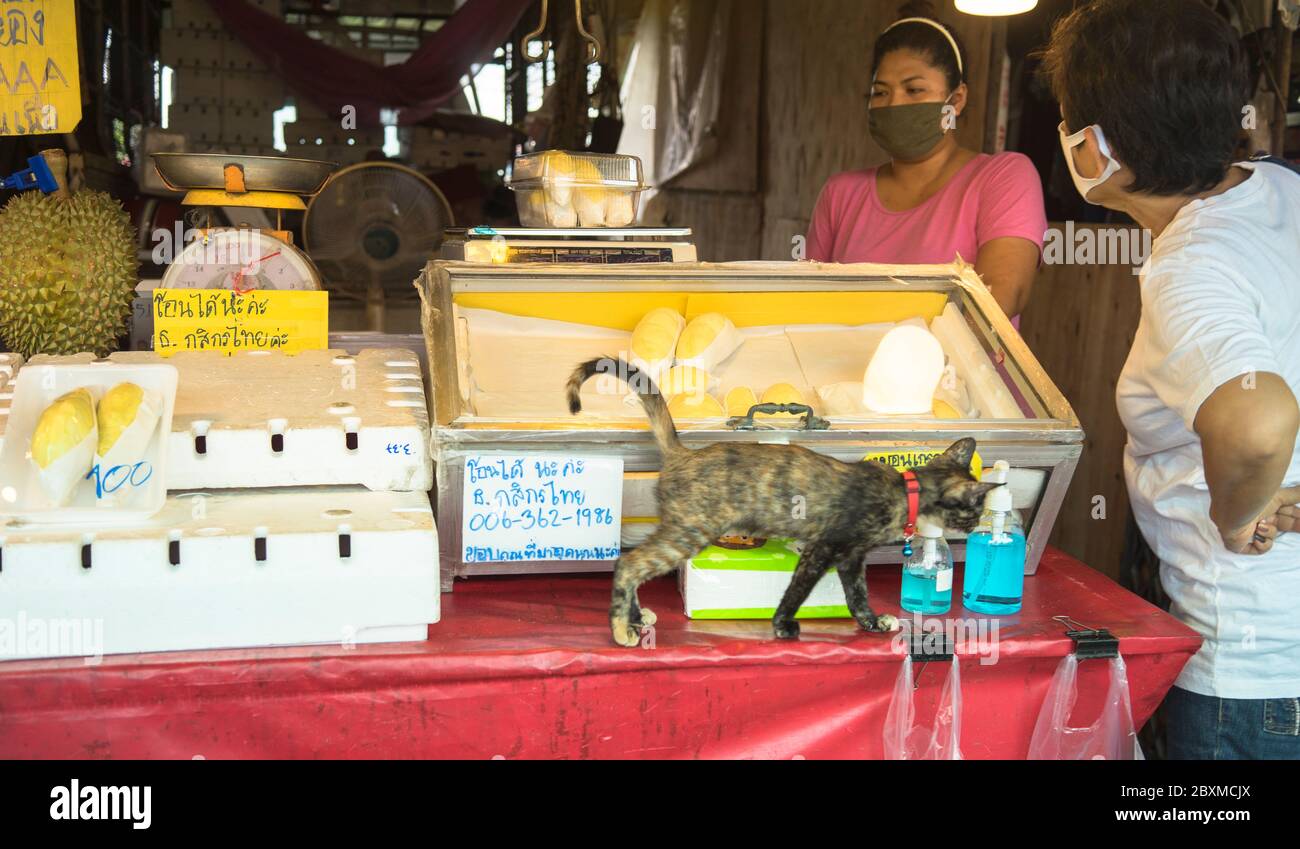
x=934, y=200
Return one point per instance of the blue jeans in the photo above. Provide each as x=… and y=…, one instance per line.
x=1207, y=728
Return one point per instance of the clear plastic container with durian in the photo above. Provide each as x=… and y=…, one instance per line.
x=77, y=433
x=559, y=189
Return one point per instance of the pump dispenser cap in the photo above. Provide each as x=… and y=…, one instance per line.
x=999, y=500
x=929, y=531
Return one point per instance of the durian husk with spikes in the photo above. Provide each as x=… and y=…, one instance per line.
x=68, y=270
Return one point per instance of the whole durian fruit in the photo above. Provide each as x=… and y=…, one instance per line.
x=68, y=270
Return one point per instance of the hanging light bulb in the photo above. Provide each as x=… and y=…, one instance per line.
x=995, y=7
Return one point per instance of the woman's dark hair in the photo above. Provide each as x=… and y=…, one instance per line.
x=1165, y=79
x=923, y=39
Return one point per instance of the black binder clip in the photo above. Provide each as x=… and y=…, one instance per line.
x=927, y=648
x=1089, y=643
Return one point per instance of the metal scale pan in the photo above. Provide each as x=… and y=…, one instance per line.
x=190, y=171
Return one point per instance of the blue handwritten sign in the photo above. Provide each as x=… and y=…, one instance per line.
x=541, y=507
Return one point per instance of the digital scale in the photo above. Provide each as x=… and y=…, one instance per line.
x=584, y=246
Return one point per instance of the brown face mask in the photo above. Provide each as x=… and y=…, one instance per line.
x=909, y=131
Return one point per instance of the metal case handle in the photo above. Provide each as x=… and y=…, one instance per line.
x=810, y=421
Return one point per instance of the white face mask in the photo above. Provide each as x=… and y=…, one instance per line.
x=1070, y=142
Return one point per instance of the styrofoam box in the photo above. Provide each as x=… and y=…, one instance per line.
x=195, y=14
x=200, y=122
x=313, y=400
x=68, y=594
x=183, y=47
x=199, y=87
x=38, y=386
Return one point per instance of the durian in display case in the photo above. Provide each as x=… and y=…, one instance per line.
x=68, y=269
x=889, y=363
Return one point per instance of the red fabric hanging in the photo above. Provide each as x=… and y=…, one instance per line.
x=332, y=79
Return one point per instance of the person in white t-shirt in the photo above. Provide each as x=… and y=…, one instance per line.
x=1153, y=93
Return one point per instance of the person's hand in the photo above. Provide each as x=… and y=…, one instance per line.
x=1253, y=539
x=1282, y=515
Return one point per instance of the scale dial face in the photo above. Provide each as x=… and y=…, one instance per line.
x=243, y=260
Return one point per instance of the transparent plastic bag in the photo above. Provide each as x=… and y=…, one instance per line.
x=1111, y=738
x=907, y=741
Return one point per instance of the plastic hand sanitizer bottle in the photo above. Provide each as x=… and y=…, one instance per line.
x=995, y=554
x=927, y=574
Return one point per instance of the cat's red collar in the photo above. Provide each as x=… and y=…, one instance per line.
x=913, y=503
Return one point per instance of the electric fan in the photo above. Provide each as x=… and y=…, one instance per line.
x=371, y=230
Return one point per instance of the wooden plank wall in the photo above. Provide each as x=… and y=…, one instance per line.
x=795, y=113
x=1080, y=324
x=817, y=74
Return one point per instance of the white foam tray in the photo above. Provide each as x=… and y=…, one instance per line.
x=235, y=408
x=74, y=593
x=38, y=386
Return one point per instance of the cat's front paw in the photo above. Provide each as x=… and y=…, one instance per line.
x=624, y=634
x=885, y=624
x=785, y=629
x=648, y=617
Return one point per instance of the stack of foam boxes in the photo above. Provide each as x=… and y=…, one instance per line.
x=225, y=97
x=434, y=150
x=317, y=135
x=297, y=512
x=323, y=135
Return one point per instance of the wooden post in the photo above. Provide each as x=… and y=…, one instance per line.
x=1282, y=73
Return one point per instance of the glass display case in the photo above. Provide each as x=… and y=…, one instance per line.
x=503, y=340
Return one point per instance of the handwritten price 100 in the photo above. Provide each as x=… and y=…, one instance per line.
x=528, y=520
x=135, y=476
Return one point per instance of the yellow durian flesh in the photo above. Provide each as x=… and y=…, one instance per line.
x=560, y=176
x=700, y=334
x=782, y=393
x=622, y=209
x=695, y=407
x=944, y=410
x=117, y=410
x=586, y=173
x=64, y=425
x=740, y=401
x=655, y=337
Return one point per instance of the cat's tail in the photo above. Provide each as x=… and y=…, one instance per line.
x=656, y=408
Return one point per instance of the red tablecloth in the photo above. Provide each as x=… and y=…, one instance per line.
x=524, y=668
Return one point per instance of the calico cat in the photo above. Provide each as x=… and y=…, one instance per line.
x=839, y=511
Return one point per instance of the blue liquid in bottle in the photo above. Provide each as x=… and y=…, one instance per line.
x=920, y=593
x=927, y=577
x=995, y=571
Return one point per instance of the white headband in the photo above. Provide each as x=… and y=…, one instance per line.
x=956, y=51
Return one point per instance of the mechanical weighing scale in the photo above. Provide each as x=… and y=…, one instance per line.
x=242, y=258
x=587, y=246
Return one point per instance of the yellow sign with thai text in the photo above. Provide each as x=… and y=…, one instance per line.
x=903, y=459
x=231, y=322
x=40, y=73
